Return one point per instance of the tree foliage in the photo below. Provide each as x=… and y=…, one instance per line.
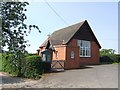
x=107, y=51
x=14, y=28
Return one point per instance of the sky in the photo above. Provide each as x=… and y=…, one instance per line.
x=101, y=16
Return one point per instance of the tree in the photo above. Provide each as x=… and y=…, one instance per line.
x=107, y=51
x=14, y=29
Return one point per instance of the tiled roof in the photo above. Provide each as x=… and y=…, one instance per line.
x=63, y=35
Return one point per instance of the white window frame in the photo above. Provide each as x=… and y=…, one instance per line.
x=84, y=48
x=56, y=54
x=44, y=57
x=72, y=54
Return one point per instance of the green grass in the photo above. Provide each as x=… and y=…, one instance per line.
x=116, y=63
x=0, y=62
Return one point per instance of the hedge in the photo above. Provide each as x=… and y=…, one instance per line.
x=110, y=58
x=31, y=66
x=8, y=65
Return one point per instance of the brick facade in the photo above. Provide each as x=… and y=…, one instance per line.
x=61, y=50
x=94, y=59
x=64, y=53
x=65, y=46
x=80, y=61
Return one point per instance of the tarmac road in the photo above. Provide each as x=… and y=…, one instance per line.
x=95, y=76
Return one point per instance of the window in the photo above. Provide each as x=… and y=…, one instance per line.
x=56, y=54
x=85, y=48
x=44, y=57
x=72, y=54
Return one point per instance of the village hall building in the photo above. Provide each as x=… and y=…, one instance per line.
x=71, y=47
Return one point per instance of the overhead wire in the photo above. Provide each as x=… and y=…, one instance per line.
x=59, y=16
x=55, y=12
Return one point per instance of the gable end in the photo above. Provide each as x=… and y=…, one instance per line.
x=85, y=33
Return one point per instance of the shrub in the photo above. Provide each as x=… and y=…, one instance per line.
x=8, y=65
x=30, y=54
x=110, y=58
x=32, y=67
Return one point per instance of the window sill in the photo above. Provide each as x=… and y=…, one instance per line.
x=85, y=56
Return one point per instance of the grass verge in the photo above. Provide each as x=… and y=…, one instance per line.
x=0, y=62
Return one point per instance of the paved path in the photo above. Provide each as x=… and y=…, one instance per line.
x=98, y=76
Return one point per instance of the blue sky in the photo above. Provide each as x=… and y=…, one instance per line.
x=101, y=16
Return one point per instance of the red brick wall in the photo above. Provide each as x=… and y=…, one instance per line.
x=72, y=62
x=94, y=59
x=61, y=49
x=79, y=61
x=64, y=53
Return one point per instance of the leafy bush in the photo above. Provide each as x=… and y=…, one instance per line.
x=33, y=67
x=8, y=65
x=30, y=54
x=107, y=52
x=110, y=58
